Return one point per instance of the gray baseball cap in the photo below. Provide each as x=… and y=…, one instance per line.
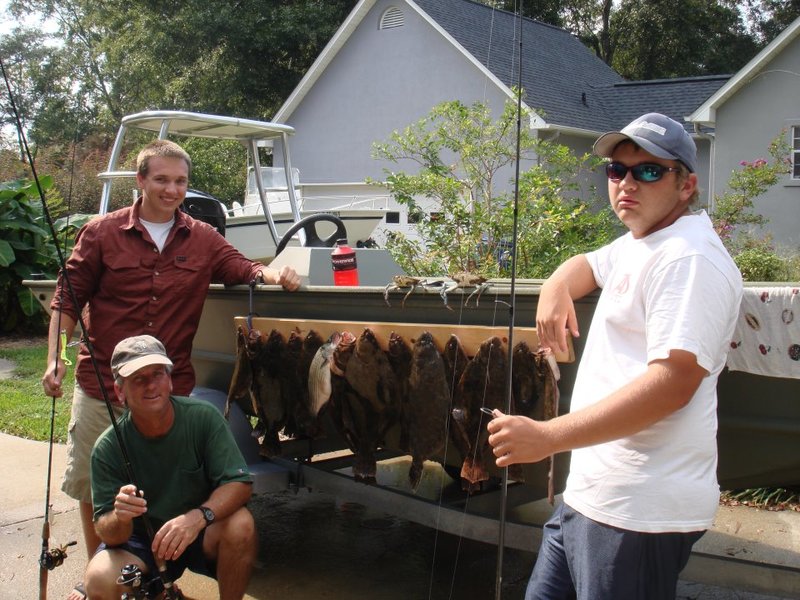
x=133, y=353
x=657, y=134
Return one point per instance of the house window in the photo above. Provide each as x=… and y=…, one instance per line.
x=796, y=152
x=392, y=216
x=391, y=18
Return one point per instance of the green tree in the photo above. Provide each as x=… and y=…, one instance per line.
x=460, y=154
x=654, y=39
x=214, y=56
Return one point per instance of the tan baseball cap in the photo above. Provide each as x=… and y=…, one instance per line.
x=133, y=353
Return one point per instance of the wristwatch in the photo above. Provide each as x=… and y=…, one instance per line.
x=208, y=514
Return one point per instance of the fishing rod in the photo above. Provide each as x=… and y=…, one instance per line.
x=498, y=581
x=170, y=592
x=50, y=558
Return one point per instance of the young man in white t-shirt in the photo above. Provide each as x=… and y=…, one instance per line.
x=642, y=425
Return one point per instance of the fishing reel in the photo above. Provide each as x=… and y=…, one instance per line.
x=131, y=576
x=54, y=557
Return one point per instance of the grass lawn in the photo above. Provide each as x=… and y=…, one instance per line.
x=25, y=411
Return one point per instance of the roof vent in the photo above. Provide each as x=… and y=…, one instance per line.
x=393, y=17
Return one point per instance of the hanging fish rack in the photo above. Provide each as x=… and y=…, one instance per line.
x=471, y=336
x=326, y=463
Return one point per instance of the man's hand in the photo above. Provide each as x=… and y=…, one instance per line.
x=555, y=315
x=52, y=378
x=286, y=277
x=517, y=439
x=175, y=536
x=128, y=504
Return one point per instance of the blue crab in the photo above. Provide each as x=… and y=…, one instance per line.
x=401, y=282
x=463, y=280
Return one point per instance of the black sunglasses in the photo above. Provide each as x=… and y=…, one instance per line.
x=646, y=172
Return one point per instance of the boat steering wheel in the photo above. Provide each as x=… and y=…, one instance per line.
x=312, y=239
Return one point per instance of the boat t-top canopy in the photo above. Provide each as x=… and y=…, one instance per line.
x=176, y=122
x=190, y=124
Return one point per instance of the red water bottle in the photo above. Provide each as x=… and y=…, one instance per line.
x=343, y=261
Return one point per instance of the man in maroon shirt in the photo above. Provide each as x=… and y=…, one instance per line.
x=143, y=269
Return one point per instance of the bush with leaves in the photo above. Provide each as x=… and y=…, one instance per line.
x=737, y=224
x=27, y=248
x=461, y=153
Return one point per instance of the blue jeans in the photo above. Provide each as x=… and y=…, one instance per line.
x=581, y=559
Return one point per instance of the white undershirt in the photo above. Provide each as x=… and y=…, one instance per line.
x=158, y=231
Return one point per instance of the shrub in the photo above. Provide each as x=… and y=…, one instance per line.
x=27, y=248
x=760, y=264
x=461, y=153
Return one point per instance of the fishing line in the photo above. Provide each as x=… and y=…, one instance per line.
x=475, y=443
x=169, y=592
x=452, y=388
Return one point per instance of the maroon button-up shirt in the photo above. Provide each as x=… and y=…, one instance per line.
x=127, y=287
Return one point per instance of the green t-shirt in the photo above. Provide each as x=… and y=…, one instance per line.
x=177, y=471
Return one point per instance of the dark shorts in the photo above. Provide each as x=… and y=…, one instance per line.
x=192, y=558
x=585, y=560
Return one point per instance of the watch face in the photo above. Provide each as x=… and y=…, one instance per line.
x=208, y=514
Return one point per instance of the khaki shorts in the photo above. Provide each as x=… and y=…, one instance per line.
x=89, y=419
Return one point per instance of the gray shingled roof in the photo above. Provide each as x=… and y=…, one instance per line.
x=676, y=98
x=563, y=80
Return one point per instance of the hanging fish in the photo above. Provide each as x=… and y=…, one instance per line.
x=429, y=407
x=242, y=378
x=291, y=382
x=307, y=422
x=399, y=355
x=455, y=361
x=319, y=376
x=525, y=381
x=547, y=377
x=267, y=392
x=371, y=375
x=353, y=415
x=482, y=385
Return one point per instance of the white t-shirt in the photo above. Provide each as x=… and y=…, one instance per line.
x=158, y=231
x=678, y=289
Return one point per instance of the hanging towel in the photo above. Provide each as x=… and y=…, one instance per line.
x=766, y=340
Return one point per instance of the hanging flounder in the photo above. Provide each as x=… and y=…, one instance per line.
x=525, y=382
x=399, y=355
x=482, y=385
x=429, y=407
x=351, y=414
x=307, y=422
x=455, y=361
x=267, y=391
x=291, y=382
x=242, y=378
x=547, y=377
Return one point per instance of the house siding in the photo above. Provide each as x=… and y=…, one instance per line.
x=381, y=80
x=746, y=124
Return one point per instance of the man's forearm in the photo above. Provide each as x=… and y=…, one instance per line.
x=112, y=530
x=59, y=322
x=228, y=498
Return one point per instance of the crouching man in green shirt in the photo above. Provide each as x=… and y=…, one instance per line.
x=193, y=477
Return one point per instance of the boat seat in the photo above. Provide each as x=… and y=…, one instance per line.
x=206, y=208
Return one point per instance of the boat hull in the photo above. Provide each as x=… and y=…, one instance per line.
x=759, y=417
